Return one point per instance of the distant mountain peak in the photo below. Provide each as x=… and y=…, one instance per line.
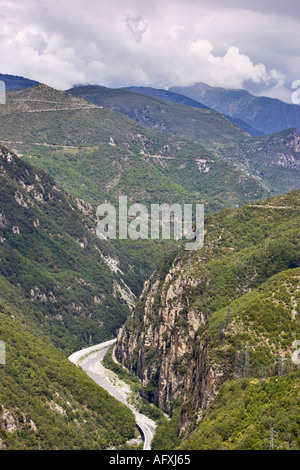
x=15, y=82
x=167, y=95
x=265, y=114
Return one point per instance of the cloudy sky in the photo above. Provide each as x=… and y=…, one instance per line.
x=161, y=43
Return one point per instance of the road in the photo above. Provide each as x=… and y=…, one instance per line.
x=90, y=360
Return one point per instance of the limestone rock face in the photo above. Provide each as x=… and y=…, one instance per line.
x=164, y=348
x=201, y=318
x=14, y=420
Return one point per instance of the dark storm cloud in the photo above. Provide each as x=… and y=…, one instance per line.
x=158, y=43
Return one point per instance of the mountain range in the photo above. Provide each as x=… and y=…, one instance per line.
x=267, y=115
x=273, y=159
x=15, y=82
x=168, y=95
x=210, y=335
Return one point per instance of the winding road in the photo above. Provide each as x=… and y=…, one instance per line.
x=90, y=360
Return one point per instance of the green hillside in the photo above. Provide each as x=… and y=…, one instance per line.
x=56, y=293
x=47, y=403
x=274, y=159
x=226, y=312
x=200, y=124
x=99, y=154
x=51, y=260
x=242, y=418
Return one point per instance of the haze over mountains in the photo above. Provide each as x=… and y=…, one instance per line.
x=268, y=115
x=194, y=327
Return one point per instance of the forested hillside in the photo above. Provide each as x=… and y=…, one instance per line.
x=97, y=155
x=221, y=313
x=51, y=263
x=47, y=403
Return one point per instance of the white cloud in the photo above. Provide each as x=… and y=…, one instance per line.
x=230, y=70
x=158, y=43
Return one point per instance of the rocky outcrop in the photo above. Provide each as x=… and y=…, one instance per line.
x=13, y=421
x=182, y=340
x=165, y=349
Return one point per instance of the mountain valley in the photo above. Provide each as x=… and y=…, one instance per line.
x=209, y=337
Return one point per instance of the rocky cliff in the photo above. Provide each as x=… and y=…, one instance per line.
x=195, y=325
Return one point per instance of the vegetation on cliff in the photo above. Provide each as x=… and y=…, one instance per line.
x=47, y=403
x=226, y=312
x=242, y=418
x=51, y=263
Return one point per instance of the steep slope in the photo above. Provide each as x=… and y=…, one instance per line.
x=246, y=415
x=201, y=124
x=46, y=403
x=181, y=99
x=219, y=313
x=268, y=115
x=274, y=159
x=51, y=261
x=98, y=155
